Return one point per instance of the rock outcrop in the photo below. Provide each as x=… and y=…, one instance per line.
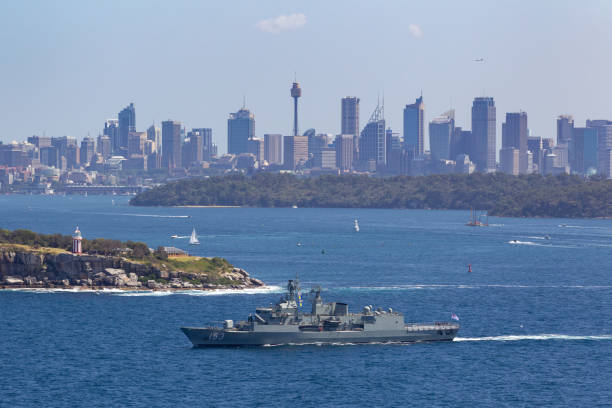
x=23, y=268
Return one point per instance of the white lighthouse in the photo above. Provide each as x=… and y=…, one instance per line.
x=77, y=246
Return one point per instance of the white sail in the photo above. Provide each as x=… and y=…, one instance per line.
x=193, y=240
x=356, y=226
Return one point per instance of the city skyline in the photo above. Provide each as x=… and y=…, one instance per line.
x=78, y=69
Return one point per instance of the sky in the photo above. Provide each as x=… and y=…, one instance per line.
x=67, y=66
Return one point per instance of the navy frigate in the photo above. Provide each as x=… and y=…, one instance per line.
x=284, y=323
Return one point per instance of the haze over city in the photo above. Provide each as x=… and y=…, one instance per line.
x=69, y=66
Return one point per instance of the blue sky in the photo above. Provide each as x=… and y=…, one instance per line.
x=67, y=66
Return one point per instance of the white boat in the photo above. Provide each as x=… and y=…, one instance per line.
x=193, y=240
x=294, y=206
x=174, y=236
x=356, y=226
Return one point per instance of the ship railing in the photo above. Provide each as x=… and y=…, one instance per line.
x=430, y=326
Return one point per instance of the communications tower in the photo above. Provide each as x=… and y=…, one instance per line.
x=296, y=92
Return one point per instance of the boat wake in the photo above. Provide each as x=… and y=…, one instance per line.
x=518, y=337
x=458, y=286
x=213, y=292
x=538, y=244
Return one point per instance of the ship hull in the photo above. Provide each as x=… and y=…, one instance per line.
x=216, y=337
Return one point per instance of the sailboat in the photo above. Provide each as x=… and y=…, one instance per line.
x=356, y=226
x=193, y=240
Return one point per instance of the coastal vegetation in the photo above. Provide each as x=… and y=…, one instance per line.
x=502, y=195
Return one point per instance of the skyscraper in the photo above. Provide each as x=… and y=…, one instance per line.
x=514, y=135
x=273, y=148
x=483, y=132
x=87, y=150
x=441, y=131
x=344, y=152
x=372, y=143
x=171, y=144
x=565, y=127
x=240, y=128
x=154, y=134
x=350, y=119
x=295, y=151
x=196, y=147
x=604, y=142
x=111, y=129
x=585, y=150
x=136, y=143
x=127, y=124
x=206, y=134
x=414, y=127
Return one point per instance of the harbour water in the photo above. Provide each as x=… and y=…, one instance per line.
x=534, y=311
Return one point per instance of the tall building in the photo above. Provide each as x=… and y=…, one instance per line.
x=441, y=131
x=565, y=127
x=350, y=119
x=295, y=151
x=394, y=151
x=604, y=142
x=483, y=132
x=256, y=148
x=373, y=140
x=136, y=142
x=273, y=148
x=296, y=92
x=344, y=152
x=196, y=147
x=127, y=124
x=310, y=133
x=240, y=128
x=154, y=134
x=585, y=150
x=535, y=145
x=514, y=135
x=461, y=143
x=206, y=134
x=88, y=149
x=105, y=146
x=111, y=129
x=509, y=160
x=171, y=144
x=414, y=127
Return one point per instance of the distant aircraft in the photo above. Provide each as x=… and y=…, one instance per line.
x=478, y=59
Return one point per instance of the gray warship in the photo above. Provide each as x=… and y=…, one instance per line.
x=328, y=323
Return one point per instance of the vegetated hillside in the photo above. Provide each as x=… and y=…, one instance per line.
x=500, y=194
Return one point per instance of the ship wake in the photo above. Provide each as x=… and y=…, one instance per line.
x=540, y=337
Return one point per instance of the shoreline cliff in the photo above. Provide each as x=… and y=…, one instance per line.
x=24, y=267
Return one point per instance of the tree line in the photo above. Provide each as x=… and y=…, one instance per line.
x=533, y=195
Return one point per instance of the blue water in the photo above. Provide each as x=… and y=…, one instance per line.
x=534, y=313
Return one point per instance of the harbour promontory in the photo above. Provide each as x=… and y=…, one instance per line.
x=24, y=262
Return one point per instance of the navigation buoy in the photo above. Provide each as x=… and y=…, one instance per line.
x=469, y=268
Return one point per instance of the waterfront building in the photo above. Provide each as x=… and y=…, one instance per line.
x=414, y=127
x=373, y=146
x=585, y=150
x=484, y=133
x=273, y=148
x=171, y=144
x=441, y=131
x=344, y=152
x=514, y=135
x=127, y=124
x=88, y=149
x=240, y=128
x=295, y=151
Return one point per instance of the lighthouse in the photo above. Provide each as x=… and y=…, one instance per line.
x=77, y=246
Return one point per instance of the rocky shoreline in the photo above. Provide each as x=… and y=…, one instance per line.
x=64, y=270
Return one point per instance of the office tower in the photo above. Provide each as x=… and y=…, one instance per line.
x=565, y=126
x=585, y=150
x=127, y=124
x=149, y=147
x=324, y=158
x=514, y=135
x=295, y=151
x=105, y=146
x=310, y=133
x=136, y=142
x=350, y=120
x=88, y=149
x=296, y=92
x=394, y=151
x=509, y=159
x=206, y=134
x=373, y=140
x=72, y=156
x=240, y=128
x=461, y=143
x=414, y=127
x=154, y=134
x=256, y=147
x=317, y=142
x=273, y=148
x=344, y=151
x=49, y=156
x=441, y=131
x=483, y=131
x=196, y=146
x=39, y=141
x=536, y=147
x=111, y=130
x=171, y=144
x=604, y=144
